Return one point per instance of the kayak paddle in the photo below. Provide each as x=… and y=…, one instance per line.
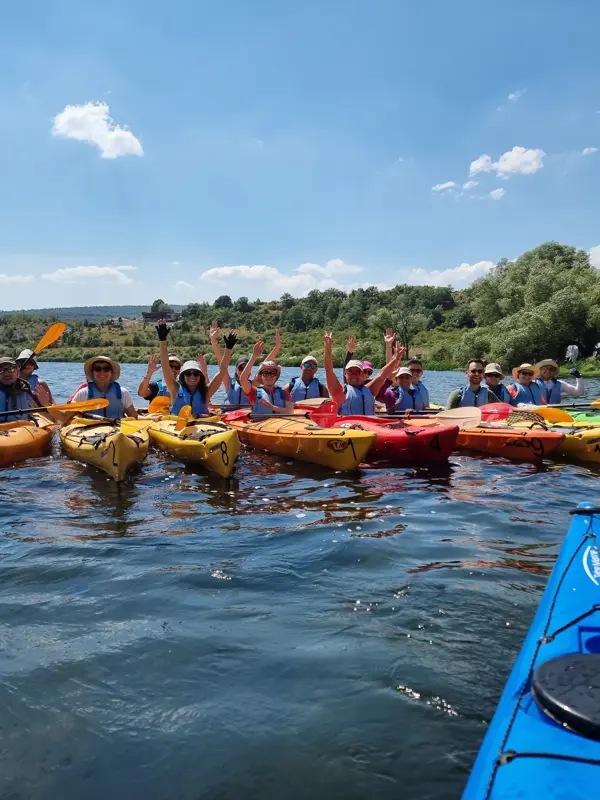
x=85, y=405
x=183, y=418
x=53, y=333
x=491, y=412
x=160, y=405
x=324, y=416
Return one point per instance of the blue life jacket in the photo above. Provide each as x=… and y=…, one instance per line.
x=12, y=402
x=553, y=394
x=186, y=398
x=115, y=408
x=527, y=394
x=163, y=389
x=277, y=398
x=358, y=401
x=421, y=396
x=300, y=391
x=235, y=396
x=404, y=400
x=502, y=393
x=33, y=380
x=469, y=398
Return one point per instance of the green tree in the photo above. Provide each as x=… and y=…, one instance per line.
x=224, y=301
x=160, y=307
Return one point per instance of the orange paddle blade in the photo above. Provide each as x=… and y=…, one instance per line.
x=183, y=417
x=53, y=333
x=159, y=405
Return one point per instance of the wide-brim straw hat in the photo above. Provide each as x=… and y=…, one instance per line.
x=87, y=367
x=547, y=362
x=528, y=367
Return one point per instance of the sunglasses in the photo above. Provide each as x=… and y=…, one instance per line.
x=193, y=373
x=416, y=370
x=526, y=373
x=310, y=365
x=6, y=370
x=476, y=372
x=268, y=373
x=355, y=371
x=101, y=368
x=492, y=375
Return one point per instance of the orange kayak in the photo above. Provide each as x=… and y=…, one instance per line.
x=25, y=439
x=300, y=438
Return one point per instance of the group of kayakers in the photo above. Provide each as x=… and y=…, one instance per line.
x=398, y=388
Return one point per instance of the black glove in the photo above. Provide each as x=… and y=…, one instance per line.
x=163, y=331
x=230, y=340
x=575, y=373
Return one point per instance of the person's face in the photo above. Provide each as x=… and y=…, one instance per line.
x=175, y=368
x=355, y=377
x=475, y=373
x=308, y=371
x=269, y=377
x=547, y=373
x=525, y=377
x=492, y=379
x=8, y=374
x=239, y=369
x=102, y=373
x=27, y=369
x=404, y=382
x=192, y=379
x=416, y=371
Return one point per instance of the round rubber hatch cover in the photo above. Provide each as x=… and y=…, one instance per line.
x=567, y=688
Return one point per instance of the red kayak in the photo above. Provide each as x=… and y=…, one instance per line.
x=402, y=443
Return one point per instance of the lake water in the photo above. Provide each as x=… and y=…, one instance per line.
x=291, y=633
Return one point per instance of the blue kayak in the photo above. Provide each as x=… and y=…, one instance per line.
x=544, y=739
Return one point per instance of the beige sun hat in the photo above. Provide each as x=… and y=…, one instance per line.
x=493, y=369
x=269, y=365
x=354, y=364
x=403, y=371
x=528, y=367
x=547, y=362
x=87, y=367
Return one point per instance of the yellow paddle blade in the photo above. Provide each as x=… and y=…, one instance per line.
x=84, y=405
x=160, y=405
x=53, y=333
x=554, y=414
x=595, y=403
x=184, y=415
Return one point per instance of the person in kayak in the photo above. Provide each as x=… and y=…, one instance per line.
x=474, y=393
x=525, y=389
x=402, y=396
x=192, y=388
x=493, y=376
x=352, y=345
x=15, y=393
x=358, y=395
x=306, y=386
x=268, y=398
x=27, y=364
x=148, y=389
x=415, y=365
x=551, y=387
x=233, y=389
x=102, y=375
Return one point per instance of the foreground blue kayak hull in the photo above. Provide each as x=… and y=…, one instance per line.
x=525, y=753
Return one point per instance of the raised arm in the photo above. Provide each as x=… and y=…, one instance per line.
x=201, y=359
x=144, y=387
x=568, y=388
x=336, y=390
x=351, y=347
x=275, y=351
x=376, y=384
x=223, y=366
x=257, y=352
x=163, y=334
x=389, y=337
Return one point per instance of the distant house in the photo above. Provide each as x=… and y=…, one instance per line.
x=154, y=316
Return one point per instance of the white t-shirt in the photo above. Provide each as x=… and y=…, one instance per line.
x=82, y=395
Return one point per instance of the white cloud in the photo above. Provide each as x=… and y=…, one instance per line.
x=594, y=254
x=497, y=194
x=91, y=123
x=305, y=277
x=587, y=151
x=469, y=185
x=182, y=285
x=458, y=277
x=514, y=96
x=519, y=160
x=91, y=273
x=442, y=187
x=15, y=278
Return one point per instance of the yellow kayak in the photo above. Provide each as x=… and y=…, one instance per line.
x=579, y=442
x=105, y=445
x=209, y=443
x=26, y=438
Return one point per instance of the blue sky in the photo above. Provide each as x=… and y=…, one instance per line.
x=190, y=149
